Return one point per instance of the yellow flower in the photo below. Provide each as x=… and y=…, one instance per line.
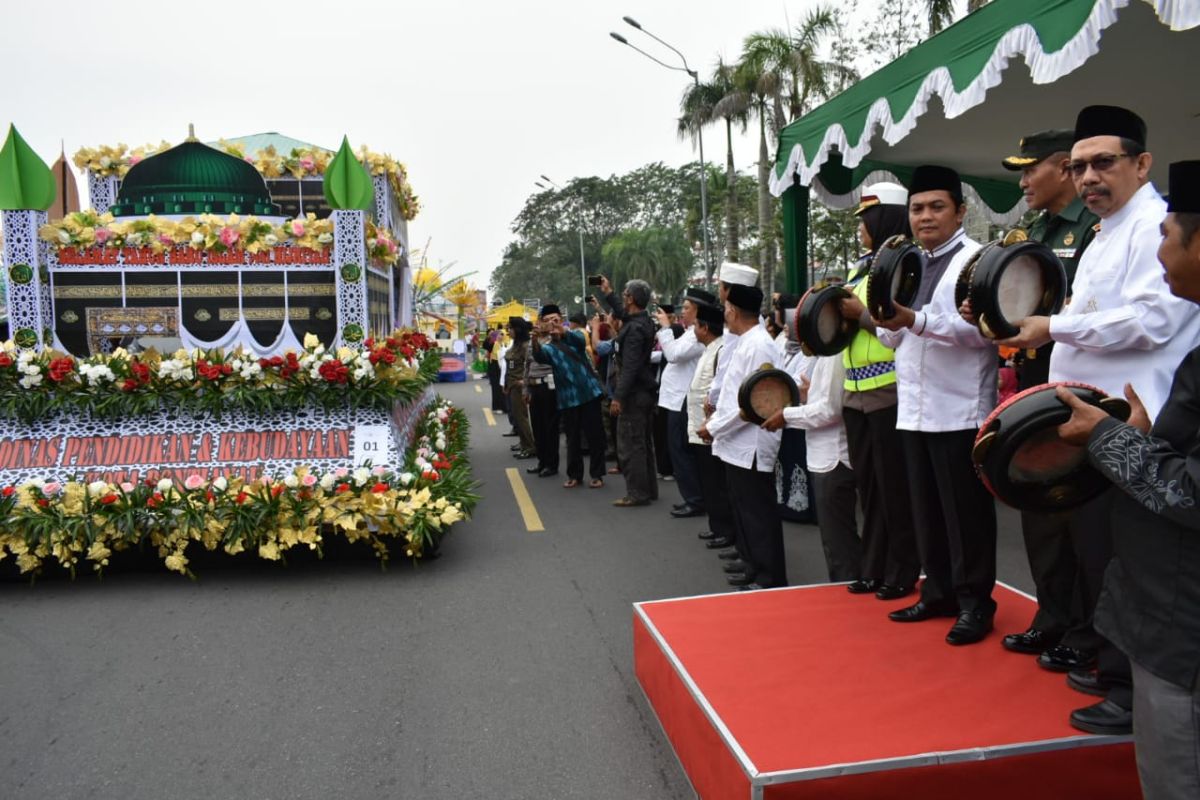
x=177, y=562
x=99, y=554
x=311, y=341
x=269, y=551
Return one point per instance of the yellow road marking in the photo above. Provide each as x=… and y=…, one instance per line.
x=532, y=521
x=487, y=414
x=478, y=390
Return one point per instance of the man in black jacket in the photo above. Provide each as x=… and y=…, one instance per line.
x=1149, y=606
x=634, y=398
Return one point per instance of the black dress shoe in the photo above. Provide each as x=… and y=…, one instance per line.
x=735, y=566
x=718, y=543
x=707, y=535
x=547, y=472
x=890, y=592
x=534, y=469
x=750, y=587
x=969, y=628
x=687, y=511
x=1032, y=642
x=1087, y=681
x=1061, y=658
x=510, y=433
x=738, y=579
x=921, y=611
x=728, y=554
x=677, y=506
x=1105, y=718
x=519, y=456
x=861, y=586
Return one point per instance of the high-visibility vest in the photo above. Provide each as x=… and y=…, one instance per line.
x=869, y=363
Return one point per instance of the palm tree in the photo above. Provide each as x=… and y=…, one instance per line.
x=659, y=256
x=778, y=69
x=941, y=14
x=699, y=107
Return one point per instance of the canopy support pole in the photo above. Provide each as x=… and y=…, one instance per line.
x=795, y=202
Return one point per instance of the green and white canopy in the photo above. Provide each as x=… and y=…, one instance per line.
x=956, y=99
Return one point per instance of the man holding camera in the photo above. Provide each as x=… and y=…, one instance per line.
x=542, y=401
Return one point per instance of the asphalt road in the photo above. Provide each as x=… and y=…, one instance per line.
x=503, y=669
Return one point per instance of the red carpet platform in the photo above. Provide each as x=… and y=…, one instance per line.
x=811, y=692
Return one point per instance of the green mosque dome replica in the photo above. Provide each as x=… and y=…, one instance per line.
x=193, y=178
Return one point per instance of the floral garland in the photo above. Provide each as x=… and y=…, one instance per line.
x=72, y=521
x=301, y=162
x=34, y=384
x=208, y=232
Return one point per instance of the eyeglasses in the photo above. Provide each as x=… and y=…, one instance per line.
x=1100, y=163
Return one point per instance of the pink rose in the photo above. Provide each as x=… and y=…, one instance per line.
x=307, y=163
x=297, y=228
x=229, y=236
x=135, y=158
x=193, y=482
x=380, y=470
x=309, y=480
x=341, y=472
x=52, y=488
x=165, y=240
x=127, y=487
x=102, y=235
x=248, y=159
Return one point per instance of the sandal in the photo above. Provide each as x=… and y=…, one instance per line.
x=596, y=483
x=614, y=470
x=570, y=484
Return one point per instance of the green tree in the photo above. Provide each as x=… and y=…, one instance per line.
x=659, y=256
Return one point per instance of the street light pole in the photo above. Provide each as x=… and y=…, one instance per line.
x=695, y=76
x=582, y=265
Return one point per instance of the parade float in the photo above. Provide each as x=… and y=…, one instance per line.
x=215, y=356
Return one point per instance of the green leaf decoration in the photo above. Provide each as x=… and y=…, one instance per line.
x=26, y=183
x=347, y=184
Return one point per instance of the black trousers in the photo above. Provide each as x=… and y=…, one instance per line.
x=711, y=471
x=493, y=375
x=756, y=515
x=838, y=522
x=635, y=435
x=955, y=520
x=687, y=476
x=584, y=422
x=662, y=453
x=888, y=540
x=1050, y=549
x=1091, y=532
x=543, y=416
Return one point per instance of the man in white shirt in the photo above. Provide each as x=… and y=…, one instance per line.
x=946, y=385
x=820, y=417
x=681, y=353
x=1121, y=326
x=731, y=274
x=749, y=452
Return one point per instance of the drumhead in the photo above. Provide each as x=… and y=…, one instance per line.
x=1020, y=288
x=769, y=395
x=1045, y=458
x=829, y=321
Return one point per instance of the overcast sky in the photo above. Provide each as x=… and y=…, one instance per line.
x=476, y=98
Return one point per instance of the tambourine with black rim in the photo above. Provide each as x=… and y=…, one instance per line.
x=1011, y=279
x=1023, y=461
x=895, y=276
x=766, y=391
x=820, y=327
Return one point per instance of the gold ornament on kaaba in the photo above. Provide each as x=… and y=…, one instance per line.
x=202, y=315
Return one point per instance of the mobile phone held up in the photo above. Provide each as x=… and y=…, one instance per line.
x=595, y=280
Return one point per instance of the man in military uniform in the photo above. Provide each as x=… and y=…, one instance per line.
x=1068, y=227
x=1064, y=223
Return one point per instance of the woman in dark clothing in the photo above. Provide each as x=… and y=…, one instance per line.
x=492, y=348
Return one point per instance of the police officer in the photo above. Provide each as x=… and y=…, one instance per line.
x=1066, y=225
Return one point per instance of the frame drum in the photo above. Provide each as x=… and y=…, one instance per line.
x=1009, y=280
x=895, y=276
x=820, y=327
x=766, y=391
x=1022, y=460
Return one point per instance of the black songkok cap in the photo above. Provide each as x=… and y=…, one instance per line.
x=1110, y=121
x=1184, y=187
x=710, y=314
x=549, y=308
x=700, y=296
x=666, y=308
x=1037, y=147
x=930, y=178
x=747, y=298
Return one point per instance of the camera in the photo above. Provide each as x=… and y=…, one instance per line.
x=591, y=298
x=595, y=280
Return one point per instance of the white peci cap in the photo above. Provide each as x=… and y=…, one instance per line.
x=738, y=273
x=882, y=194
